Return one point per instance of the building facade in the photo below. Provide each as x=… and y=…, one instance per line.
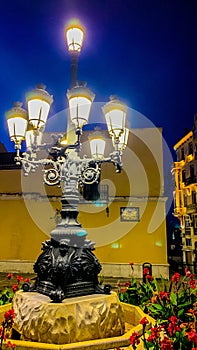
x=185, y=193
x=127, y=222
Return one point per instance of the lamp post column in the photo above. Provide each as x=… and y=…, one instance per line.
x=69, y=228
x=74, y=33
x=74, y=56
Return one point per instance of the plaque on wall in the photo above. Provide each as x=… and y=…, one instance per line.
x=129, y=214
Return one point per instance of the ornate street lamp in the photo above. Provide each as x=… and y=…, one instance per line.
x=67, y=266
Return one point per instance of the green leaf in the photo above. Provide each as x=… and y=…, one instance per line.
x=184, y=306
x=149, y=346
x=156, y=285
x=173, y=298
x=121, y=296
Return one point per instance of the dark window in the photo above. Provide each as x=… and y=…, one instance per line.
x=195, y=224
x=190, y=148
x=182, y=154
x=193, y=197
x=187, y=227
x=185, y=200
x=183, y=176
x=192, y=171
x=188, y=242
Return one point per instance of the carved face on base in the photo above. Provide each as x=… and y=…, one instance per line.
x=63, y=246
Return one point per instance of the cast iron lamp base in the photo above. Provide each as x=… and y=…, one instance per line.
x=64, y=271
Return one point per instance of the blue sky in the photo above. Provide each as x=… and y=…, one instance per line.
x=144, y=51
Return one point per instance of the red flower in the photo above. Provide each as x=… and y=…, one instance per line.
x=144, y=321
x=173, y=319
x=19, y=278
x=9, y=315
x=127, y=284
x=149, y=278
x=15, y=287
x=134, y=339
x=27, y=280
x=163, y=295
x=155, y=333
x=166, y=344
x=173, y=326
x=9, y=276
x=10, y=345
x=176, y=277
x=150, y=338
x=146, y=271
x=192, y=283
x=188, y=274
x=192, y=336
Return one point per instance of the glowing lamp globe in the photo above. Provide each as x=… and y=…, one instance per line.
x=38, y=102
x=17, y=121
x=97, y=147
x=80, y=101
x=115, y=114
x=74, y=33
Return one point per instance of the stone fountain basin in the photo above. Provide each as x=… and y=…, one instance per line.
x=132, y=316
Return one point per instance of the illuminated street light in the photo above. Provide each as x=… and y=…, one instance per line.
x=74, y=33
x=97, y=147
x=115, y=114
x=38, y=102
x=80, y=101
x=67, y=266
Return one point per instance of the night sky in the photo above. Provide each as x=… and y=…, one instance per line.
x=144, y=51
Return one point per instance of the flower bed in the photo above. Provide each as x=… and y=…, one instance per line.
x=173, y=306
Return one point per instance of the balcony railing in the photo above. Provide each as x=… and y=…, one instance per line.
x=192, y=206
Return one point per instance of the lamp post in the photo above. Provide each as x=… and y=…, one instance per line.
x=67, y=266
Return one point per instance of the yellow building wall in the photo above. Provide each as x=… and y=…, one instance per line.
x=20, y=238
x=25, y=222
x=122, y=242
x=21, y=234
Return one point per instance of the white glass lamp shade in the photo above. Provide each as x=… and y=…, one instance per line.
x=74, y=34
x=80, y=101
x=38, y=102
x=17, y=121
x=97, y=147
x=33, y=137
x=123, y=139
x=115, y=114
